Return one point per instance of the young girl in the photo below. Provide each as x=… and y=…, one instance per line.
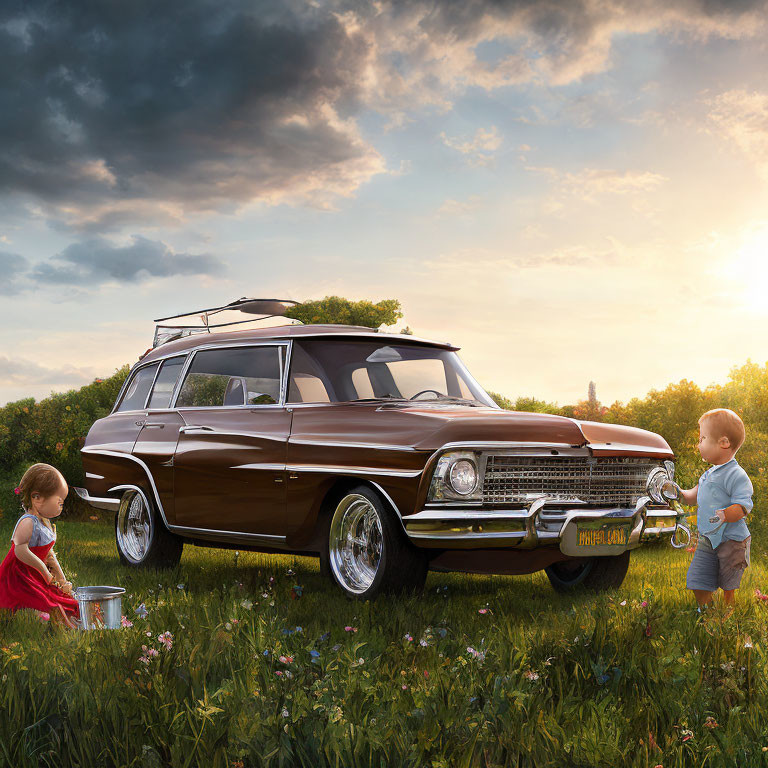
x=30, y=575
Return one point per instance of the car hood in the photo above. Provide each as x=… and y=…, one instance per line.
x=432, y=427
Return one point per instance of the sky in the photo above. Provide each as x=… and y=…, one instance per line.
x=568, y=190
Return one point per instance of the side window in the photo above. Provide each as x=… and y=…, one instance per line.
x=165, y=382
x=306, y=383
x=138, y=388
x=235, y=376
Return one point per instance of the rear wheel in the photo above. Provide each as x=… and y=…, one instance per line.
x=365, y=550
x=597, y=574
x=142, y=539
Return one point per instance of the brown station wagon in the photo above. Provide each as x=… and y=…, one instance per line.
x=378, y=451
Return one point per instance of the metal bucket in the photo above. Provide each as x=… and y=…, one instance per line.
x=100, y=607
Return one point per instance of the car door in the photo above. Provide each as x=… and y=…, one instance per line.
x=229, y=464
x=156, y=443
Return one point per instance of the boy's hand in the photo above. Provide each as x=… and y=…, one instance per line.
x=718, y=517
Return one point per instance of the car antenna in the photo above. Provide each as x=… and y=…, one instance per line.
x=266, y=308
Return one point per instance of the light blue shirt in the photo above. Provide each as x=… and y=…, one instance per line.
x=719, y=487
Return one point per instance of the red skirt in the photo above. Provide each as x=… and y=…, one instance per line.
x=22, y=586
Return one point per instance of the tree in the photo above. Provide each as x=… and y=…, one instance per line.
x=340, y=311
x=590, y=409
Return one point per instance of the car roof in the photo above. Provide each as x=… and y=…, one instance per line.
x=283, y=332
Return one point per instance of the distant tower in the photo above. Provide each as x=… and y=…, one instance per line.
x=592, y=396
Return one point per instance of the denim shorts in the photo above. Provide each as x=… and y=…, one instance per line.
x=722, y=567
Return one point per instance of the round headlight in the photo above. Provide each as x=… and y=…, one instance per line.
x=463, y=476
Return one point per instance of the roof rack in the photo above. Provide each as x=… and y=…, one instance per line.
x=265, y=307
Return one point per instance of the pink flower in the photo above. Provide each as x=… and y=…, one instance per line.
x=17, y=491
x=278, y=673
x=644, y=604
x=152, y=652
x=403, y=687
x=408, y=638
x=350, y=629
x=285, y=659
x=483, y=610
x=125, y=623
x=166, y=638
x=43, y=616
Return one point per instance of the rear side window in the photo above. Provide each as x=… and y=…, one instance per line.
x=237, y=376
x=138, y=388
x=166, y=382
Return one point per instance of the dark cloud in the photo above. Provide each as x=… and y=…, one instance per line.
x=96, y=261
x=190, y=100
x=12, y=266
x=19, y=371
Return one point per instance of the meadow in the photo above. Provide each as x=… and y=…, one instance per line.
x=244, y=659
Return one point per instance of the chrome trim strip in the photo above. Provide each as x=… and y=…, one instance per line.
x=93, y=476
x=494, y=444
x=354, y=470
x=99, y=502
x=340, y=444
x=219, y=535
x=275, y=467
x=202, y=429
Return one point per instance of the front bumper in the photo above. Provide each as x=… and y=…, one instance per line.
x=544, y=522
x=98, y=502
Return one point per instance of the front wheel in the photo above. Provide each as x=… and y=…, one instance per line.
x=142, y=539
x=597, y=574
x=365, y=550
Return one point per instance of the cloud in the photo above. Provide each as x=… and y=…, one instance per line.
x=453, y=208
x=12, y=266
x=110, y=111
x=742, y=116
x=204, y=104
x=479, y=149
x=96, y=261
x=591, y=184
x=20, y=371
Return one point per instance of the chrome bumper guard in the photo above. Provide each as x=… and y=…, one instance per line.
x=475, y=528
x=98, y=502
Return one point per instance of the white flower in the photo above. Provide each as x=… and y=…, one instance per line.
x=286, y=713
x=748, y=642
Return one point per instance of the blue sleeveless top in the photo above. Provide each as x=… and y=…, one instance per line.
x=41, y=534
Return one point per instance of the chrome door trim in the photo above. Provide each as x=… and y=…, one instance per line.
x=337, y=470
x=342, y=444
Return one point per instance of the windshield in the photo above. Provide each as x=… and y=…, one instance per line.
x=340, y=371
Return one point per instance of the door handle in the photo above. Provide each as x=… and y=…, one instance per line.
x=158, y=425
x=192, y=428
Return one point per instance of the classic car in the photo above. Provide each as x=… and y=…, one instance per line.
x=378, y=451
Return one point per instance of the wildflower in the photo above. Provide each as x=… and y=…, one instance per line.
x=152, y=651
x=748, y=642
x=760, y=596
x=404, y=687
x=423, y=643
x=686, y=735
x=623, y=602
x=180, y=586
x=271, y=579
x=94, y=517
x=59, y=446
x=142, y=611
x=278, y=673
x=324, y=637
x=315, y=655
x=228, y=626
x=290, y=572
x=286, y=713
x=426, y=673
x=285, y=659
x=648, y=629
x=296, y=591
x=247, y=604
x=644, y=604
x=531, y=675
x=124, y=622
x=43, y=616
x=408, y=638
x=166, y=638
x=148, y=633
x=710, y=722
x=288, y=673
x=336, y=647
x=350, y=629
x=483, y=610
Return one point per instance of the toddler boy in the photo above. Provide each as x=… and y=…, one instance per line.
x=724, y=498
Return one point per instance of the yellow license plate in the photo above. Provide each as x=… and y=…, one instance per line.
x=599, y=534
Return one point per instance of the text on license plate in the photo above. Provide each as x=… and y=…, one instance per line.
x=594, y=534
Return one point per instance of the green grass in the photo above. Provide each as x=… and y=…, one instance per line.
x=553, y=680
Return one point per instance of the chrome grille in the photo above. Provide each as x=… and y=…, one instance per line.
x=615, y=481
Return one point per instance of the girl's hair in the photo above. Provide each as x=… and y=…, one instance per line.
x=39, y=478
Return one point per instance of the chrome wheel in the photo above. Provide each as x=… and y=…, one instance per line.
x=134, y=526
x=355, y=543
